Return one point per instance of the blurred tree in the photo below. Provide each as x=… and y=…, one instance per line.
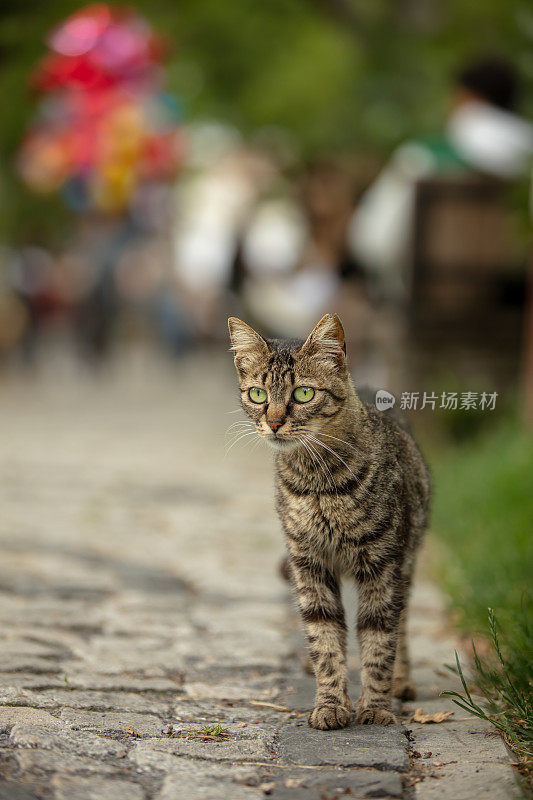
x=358, y=75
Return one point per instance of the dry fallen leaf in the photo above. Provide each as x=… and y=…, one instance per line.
x=439, y=716
x=276, y=706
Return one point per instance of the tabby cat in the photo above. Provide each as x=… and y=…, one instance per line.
x=352, y=495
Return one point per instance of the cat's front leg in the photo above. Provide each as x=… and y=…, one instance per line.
x=322, y=613
x=381, y=604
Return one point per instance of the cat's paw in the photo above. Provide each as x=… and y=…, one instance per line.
x=368, y=715
x=403, y=689
x=327, y=716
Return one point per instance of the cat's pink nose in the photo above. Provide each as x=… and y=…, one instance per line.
x=274, y=424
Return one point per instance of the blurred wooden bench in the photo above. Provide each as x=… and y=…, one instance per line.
x=467, y=270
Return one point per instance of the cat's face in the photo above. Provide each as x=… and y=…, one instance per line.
x=291, y=390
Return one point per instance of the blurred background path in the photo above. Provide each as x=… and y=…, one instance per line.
x=141, y=608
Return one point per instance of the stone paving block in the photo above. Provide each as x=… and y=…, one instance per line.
x=91, y=700
x=301, y=693
x=30, y=681
x=200, y=787
x=465, y=781
x=53, y=577
x=320, y=784
x=17, y=696
x=116, y=655
x=427, y=600
x=258, y=732
x=160, y=624
x=470, y=760
x=69, y=741
x=147, y=759
x=241, y=749
x=23, y=647
x=13, y=662
x=112, y=722
x=381, y=746
x=10, y=716
x=434, y=704
x=73, y=788
x=148, y=605
x=103, y=701
x=125, y=683
x=206, y=711
x=47, y=761
x=429, y=681
x=470, y=740
x=50, y=613
x=228, y=691
x=229, y=653
x=15, y=791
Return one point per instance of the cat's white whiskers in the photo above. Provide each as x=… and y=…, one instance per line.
x=333, y=453
x=320, y=465
x=329, y=436
x=318, y=455
x=255, y=445
x=308, y=450
x=240, y=424
x=239, y=437
x=232, y=445
x=243, y=429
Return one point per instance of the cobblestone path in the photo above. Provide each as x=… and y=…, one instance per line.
x=140, y=602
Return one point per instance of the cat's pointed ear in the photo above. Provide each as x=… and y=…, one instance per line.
x=247, y=344
x=327, y=340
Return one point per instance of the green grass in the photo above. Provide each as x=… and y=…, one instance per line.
x=483, y=522
x=504, y=681
x=213, y=730
x=483, y=556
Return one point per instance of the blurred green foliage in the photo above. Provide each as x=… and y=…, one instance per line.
x=358, y=75
x=482, y=518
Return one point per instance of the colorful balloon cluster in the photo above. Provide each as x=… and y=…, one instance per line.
x=104, y=125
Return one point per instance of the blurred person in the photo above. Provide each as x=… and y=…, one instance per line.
x=483, y=134
x=15, y=311
x=38, y=281
x=125, y=273
x=294, y=255
x=143, y=273
x=214, y=201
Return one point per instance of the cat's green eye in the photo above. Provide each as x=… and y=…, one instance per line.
x=257, y=395
x=303, y=394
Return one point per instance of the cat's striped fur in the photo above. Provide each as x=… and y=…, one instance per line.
x=352, y=495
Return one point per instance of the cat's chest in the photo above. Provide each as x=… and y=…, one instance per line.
x=322, y=518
